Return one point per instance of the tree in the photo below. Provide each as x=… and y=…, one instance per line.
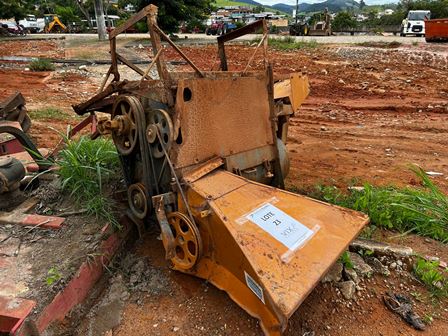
x=392, y=20
x=85, y=12
x=438, y=8
x=171, y=13
x=343, y=20
x=67, y=15
x=100, y=22
x=362, y=4
x=16, y=9
x=258, y=9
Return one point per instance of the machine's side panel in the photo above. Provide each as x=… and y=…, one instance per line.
x=221, y=117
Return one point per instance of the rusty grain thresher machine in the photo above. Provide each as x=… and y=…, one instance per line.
x=204, y=153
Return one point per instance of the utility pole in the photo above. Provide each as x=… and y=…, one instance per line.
x=100, y=23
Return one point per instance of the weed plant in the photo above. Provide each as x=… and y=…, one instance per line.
x=41, y=64
x=48, y=113
x=434, y=279
x=423, y=211
x=345, y=260
x=86, y=167
x=289, y=43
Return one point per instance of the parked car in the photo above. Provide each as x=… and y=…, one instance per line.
x=220, y=28
x=11, y=28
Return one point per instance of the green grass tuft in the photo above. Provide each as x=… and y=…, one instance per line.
x=423, y=211
x=86, y=167
x=48, y=113
x=345, y=260
x=428, y=272
x=289, y=43
x=41, y=64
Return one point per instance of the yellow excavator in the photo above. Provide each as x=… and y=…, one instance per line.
x=53, y=24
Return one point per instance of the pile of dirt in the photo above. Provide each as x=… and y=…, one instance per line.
x=142, y=277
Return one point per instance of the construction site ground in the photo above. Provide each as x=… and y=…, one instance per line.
x=374, y=109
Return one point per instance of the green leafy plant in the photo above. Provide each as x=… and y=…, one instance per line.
x=428, y=272
x=85, y=167
x=53, y=276
x=366, y=253
x=41, y=64
x=346, y=261
x=420, y=210
x=368, y=231
x=344, y=20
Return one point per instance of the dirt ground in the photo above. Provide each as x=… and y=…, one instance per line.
x=371, y=113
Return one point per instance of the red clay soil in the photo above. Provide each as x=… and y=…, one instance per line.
x=33, y=48
x=44, y=90
x=194, y=307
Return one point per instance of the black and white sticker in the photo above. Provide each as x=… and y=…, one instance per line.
x=256, y=288
x=281, y=226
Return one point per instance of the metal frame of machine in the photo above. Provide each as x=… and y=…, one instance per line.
x=204, y=154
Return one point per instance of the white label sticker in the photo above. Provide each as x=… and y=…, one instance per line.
x=281, y=226
x=256, y=288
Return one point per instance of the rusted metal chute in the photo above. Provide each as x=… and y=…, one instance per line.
x=203, y=153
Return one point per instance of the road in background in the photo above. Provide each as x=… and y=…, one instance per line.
x=203, y=37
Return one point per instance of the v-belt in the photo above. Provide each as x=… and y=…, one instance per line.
x=147, y=159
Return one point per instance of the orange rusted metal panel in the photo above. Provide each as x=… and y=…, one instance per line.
x=219, y=117
x=296, y=88
x=264, y=274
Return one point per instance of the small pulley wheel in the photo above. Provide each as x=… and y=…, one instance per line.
x=138, y=202
x=188, y=243
x=159, y=122
x=124, y=116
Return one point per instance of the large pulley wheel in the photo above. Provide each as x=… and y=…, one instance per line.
x=125, y=134
x=138, y=202
x=188, y=243
x=160, y=132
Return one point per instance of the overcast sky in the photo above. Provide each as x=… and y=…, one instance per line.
x=293, y=2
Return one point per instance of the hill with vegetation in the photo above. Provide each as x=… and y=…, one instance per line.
x=332, y=5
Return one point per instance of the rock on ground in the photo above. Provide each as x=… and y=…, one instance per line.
x=348, y=289
x=334, y=274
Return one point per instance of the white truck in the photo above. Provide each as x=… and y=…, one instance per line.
x=414, y=24
x=31, y=24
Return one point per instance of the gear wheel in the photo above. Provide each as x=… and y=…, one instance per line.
x=160, y=120
x=137, y=200
x=188, y=243
x=124, y=113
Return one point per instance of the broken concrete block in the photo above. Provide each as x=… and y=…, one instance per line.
x=334, y=274
x=351, y=274
x=381, y=248
x=359, y=265
x=378, y=266
x=348, y=289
